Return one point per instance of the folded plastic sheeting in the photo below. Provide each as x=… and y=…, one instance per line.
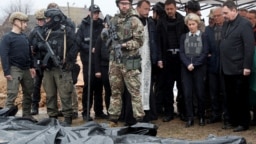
x=15, y=130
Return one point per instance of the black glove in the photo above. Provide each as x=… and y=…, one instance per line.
x=75, y=73
x=41, y=46
x=68, y=66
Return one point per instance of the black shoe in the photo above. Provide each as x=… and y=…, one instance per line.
x=85, y=118
x=101, y=116
x=201, y=121
x=189, y=123
x=74, y=115
x=213, y=120
x=240, y=128
x=130, y=123
x=167, y=118
x=30, y=117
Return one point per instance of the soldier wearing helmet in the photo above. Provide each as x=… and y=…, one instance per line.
x=19, y=20
x=129, y=39
x=57, y=74
x=69, y=23
x=54, y=18
x=33, y=40
x=83, y=41
x=17, y=63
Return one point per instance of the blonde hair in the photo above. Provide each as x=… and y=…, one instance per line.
x=192, y=17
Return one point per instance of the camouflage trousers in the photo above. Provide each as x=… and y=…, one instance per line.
x=56, y=82
x=23, y=78
x=119, y=77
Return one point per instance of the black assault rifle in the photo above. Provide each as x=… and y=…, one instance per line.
x=50, y=54
x=113, y=39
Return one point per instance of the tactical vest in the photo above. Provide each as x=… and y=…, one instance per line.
x=125, y=32
x=56, y=41
x=193, y=45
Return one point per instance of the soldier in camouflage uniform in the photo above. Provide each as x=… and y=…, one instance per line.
x=124, y=70
x=17, y=63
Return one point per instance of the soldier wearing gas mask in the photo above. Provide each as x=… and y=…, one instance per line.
x=59, y=57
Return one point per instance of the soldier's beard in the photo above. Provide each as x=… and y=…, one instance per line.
x=124, y=11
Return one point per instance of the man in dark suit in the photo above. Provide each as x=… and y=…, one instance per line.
x=236, y=50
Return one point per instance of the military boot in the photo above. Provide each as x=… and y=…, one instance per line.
x=67, y=122
x=113, y=123
x=34, y=109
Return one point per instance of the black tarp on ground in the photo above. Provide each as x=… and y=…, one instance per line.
x=14, y=130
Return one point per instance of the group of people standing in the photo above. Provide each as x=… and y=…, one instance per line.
x=137, y=59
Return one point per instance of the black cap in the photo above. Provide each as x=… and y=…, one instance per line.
x=94, y=8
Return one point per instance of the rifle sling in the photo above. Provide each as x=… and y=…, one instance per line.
x=65, y=46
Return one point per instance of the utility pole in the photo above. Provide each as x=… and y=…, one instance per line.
x=68, y=10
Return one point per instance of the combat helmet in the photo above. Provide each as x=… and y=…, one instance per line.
x=193, y=5
x=55, y=14
x=56, y=17
x=18, y=15
x=40, y=14
x=94, y=8
x=117, y=1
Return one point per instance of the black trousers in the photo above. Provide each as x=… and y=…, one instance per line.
x=166, y=79
x=217, y=94
x=36, y=97
x=96, y=89
x=193, y=83
x=106, y=84
x=237, y=90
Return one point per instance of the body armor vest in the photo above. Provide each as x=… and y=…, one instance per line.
x=124, y=31
x=193, y=45
x=56, y=41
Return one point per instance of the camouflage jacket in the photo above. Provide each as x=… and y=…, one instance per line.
x=130, y=31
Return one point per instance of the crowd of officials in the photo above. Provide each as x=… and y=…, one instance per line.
x=137, y=60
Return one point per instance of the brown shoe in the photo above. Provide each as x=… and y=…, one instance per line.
x=113, y=124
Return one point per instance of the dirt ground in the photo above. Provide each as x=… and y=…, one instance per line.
x=173, y=129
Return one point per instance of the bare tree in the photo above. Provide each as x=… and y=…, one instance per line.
x=24, y=6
